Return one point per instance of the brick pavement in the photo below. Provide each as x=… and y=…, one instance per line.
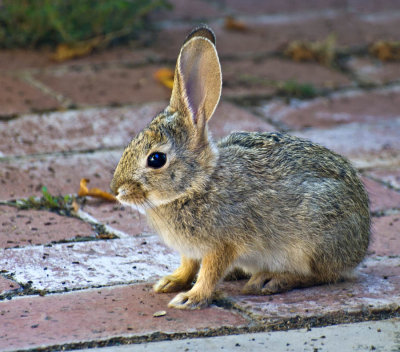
x=84, y=280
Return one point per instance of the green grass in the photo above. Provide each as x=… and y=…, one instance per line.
x=289, y=88
x=32, y=23
x=294, y=89
x=58, y=204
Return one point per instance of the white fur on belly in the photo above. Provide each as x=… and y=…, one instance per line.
x=275, y=261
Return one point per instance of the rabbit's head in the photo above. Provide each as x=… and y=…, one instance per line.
x=174, y=155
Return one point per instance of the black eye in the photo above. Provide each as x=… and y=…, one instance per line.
x=156, y=160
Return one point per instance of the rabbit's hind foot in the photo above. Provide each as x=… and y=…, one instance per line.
x=256, y=283
x=286, y=282
x=265, y=283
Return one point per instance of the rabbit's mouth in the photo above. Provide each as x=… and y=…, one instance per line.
x=132, y=197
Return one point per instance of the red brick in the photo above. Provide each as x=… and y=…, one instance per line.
x=375, y=286
x=199, y=10
x=107, y=85
x=7, y=286
x=381, y=197
x=102, y=128
x=256, y=7
x=385, y=235
x=274, y=35
x=341, y=108
x=229, y=118
x=22, y=59
x=367, y=145
x=15, y=59
x=389, y=176
x=371, y=6
x=61, y=174
x=101, y=314
x=248, y=77
x=118, y=217
x=67, y=266
x=17, y=97
x=126, y=55
x=264, y=36
x=376, y=27
x=373, y=71
x=29, y=227
x=74, y=130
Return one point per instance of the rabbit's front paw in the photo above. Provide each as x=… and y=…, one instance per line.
x=188, y=300
x=170, y=283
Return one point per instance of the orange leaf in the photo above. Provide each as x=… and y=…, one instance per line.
x=235, y=25
x=66, y=52
x=385, y=50
x=75, y=206
x=93, y=192
x=165, y=76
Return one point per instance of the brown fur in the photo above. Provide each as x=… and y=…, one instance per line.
x=283, y=209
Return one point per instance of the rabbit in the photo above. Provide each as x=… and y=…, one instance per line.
x=288, y=212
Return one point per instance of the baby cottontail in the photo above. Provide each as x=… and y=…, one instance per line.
x=285, y=210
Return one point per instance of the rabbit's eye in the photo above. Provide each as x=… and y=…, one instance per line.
x=156, y=160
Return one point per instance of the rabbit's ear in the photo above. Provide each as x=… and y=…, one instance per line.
x=198, y=79
x=201, y=31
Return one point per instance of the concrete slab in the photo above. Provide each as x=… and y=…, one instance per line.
x=359, y=337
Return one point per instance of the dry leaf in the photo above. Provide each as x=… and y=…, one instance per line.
x=386, y=50
x=67, y=52
x=106, y=236
x=299, y=51
x=234, y=25
x=165, y=76
x=160, y=313
x=75, y=206
x=94, y=192
x=321, y=51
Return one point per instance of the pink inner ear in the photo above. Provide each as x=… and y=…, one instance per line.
x=191, y=70
x=198, y=81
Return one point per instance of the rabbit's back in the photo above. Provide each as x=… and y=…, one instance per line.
x=296, y=194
